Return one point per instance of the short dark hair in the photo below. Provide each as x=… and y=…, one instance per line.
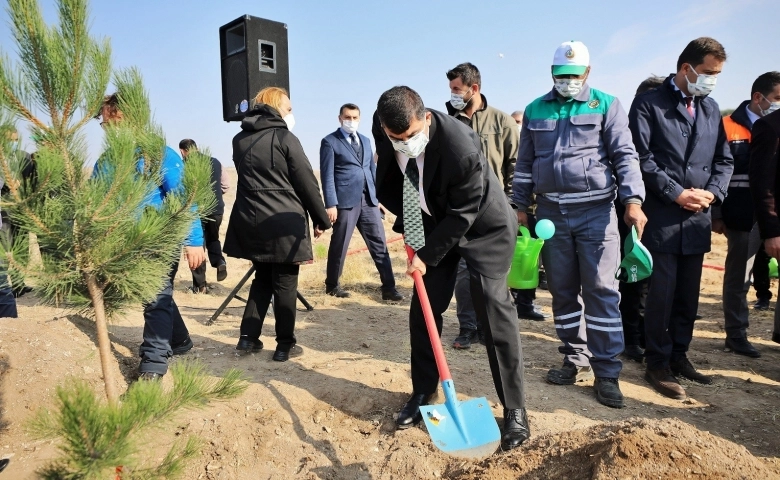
x=111, y=102
x=398, y=106
x=187, y=144
x=696, y=50
x=650, y=83
x=468, y=74
x=348, y=106
x=765, y=83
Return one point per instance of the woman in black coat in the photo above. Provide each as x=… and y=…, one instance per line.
x=269, y=225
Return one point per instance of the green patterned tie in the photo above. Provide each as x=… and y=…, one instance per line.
x=414, y=235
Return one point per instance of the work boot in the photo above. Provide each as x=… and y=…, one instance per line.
x=761, y=304
x=608, y=392
x=569, y=374
x=664, y=383
x=684, y=368
x=464, y=339
x=741, y=346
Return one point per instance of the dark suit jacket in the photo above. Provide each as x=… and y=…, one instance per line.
x=469, y=211
x=677, y=153
x=343, y=174
x=765, y=174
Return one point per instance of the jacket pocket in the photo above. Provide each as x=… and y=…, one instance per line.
x=596, y=174
x=585, y=130
x=575, y=176
x=543, y=134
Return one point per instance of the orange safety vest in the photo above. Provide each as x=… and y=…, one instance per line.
x=734, y=131
x=738, y=137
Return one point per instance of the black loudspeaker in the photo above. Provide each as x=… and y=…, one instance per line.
x=254, y=56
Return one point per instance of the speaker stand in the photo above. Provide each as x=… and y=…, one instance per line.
x=234, y=294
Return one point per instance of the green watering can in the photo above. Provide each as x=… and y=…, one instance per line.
x=524, y=272
x=773, y=268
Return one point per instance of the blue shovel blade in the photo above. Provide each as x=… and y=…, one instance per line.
x=463, y=429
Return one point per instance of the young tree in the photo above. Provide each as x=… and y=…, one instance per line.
x=102, y=250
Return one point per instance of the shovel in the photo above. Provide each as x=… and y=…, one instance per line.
x=462, y=429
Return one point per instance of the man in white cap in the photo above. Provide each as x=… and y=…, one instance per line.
x=577, y=156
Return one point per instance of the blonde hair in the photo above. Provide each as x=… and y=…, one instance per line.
x=272, y=96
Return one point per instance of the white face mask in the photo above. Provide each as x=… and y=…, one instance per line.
x=413, y=147
x=350, y=126
x=773, y=107
x=704, y=85
x=289, y=120
x=457, y=102
x=569, y=87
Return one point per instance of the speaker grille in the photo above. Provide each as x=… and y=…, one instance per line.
x=237, y=87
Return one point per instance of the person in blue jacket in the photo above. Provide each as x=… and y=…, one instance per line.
x=686, y=165
x=165, y=333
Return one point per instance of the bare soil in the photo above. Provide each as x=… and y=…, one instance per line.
x=329, y=413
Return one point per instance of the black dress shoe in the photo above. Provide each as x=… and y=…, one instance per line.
x=776, y=337
x=634, y=352
x=410, y=414
x=516, y=428
x=684, y=368
x=221, y=272
x=4, y=463
x=246, y=344
x=392, y=295
x=182, y=347
x=741, y=346
x=698, y=316
x=761, y=304
x=283, y=356
x=531, y=312
x=337, y=292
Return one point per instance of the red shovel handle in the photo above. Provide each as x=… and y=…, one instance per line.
x=430, y=323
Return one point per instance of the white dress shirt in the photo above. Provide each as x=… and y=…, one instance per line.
x=402, y=161
x=693, y=98
x=751, y=116
x=348, y=137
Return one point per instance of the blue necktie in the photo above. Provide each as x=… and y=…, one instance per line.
x=356, y=145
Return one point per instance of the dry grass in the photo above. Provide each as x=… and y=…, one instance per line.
x=359, y=273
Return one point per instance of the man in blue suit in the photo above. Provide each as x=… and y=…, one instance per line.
x=348, y=176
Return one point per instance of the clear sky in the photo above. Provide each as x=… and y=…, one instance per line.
x=353, y=51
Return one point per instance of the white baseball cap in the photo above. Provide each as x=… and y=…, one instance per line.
x=571, y=58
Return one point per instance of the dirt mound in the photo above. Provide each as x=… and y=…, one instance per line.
x=632, y=449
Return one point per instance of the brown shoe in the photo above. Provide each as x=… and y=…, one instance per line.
x=664, y=383
x=684, y=368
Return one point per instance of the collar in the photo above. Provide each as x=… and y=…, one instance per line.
x=346, y=134
x=752, y=117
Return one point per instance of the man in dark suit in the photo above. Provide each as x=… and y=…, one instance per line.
x=210, y=224
x=686, y=165
x=765, y=186
x=432, y=174
x=348, y=176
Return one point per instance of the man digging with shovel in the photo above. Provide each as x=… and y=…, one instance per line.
x=449, y=204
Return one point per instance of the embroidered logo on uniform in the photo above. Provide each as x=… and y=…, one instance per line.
x=593, y=104
x=570, y=53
